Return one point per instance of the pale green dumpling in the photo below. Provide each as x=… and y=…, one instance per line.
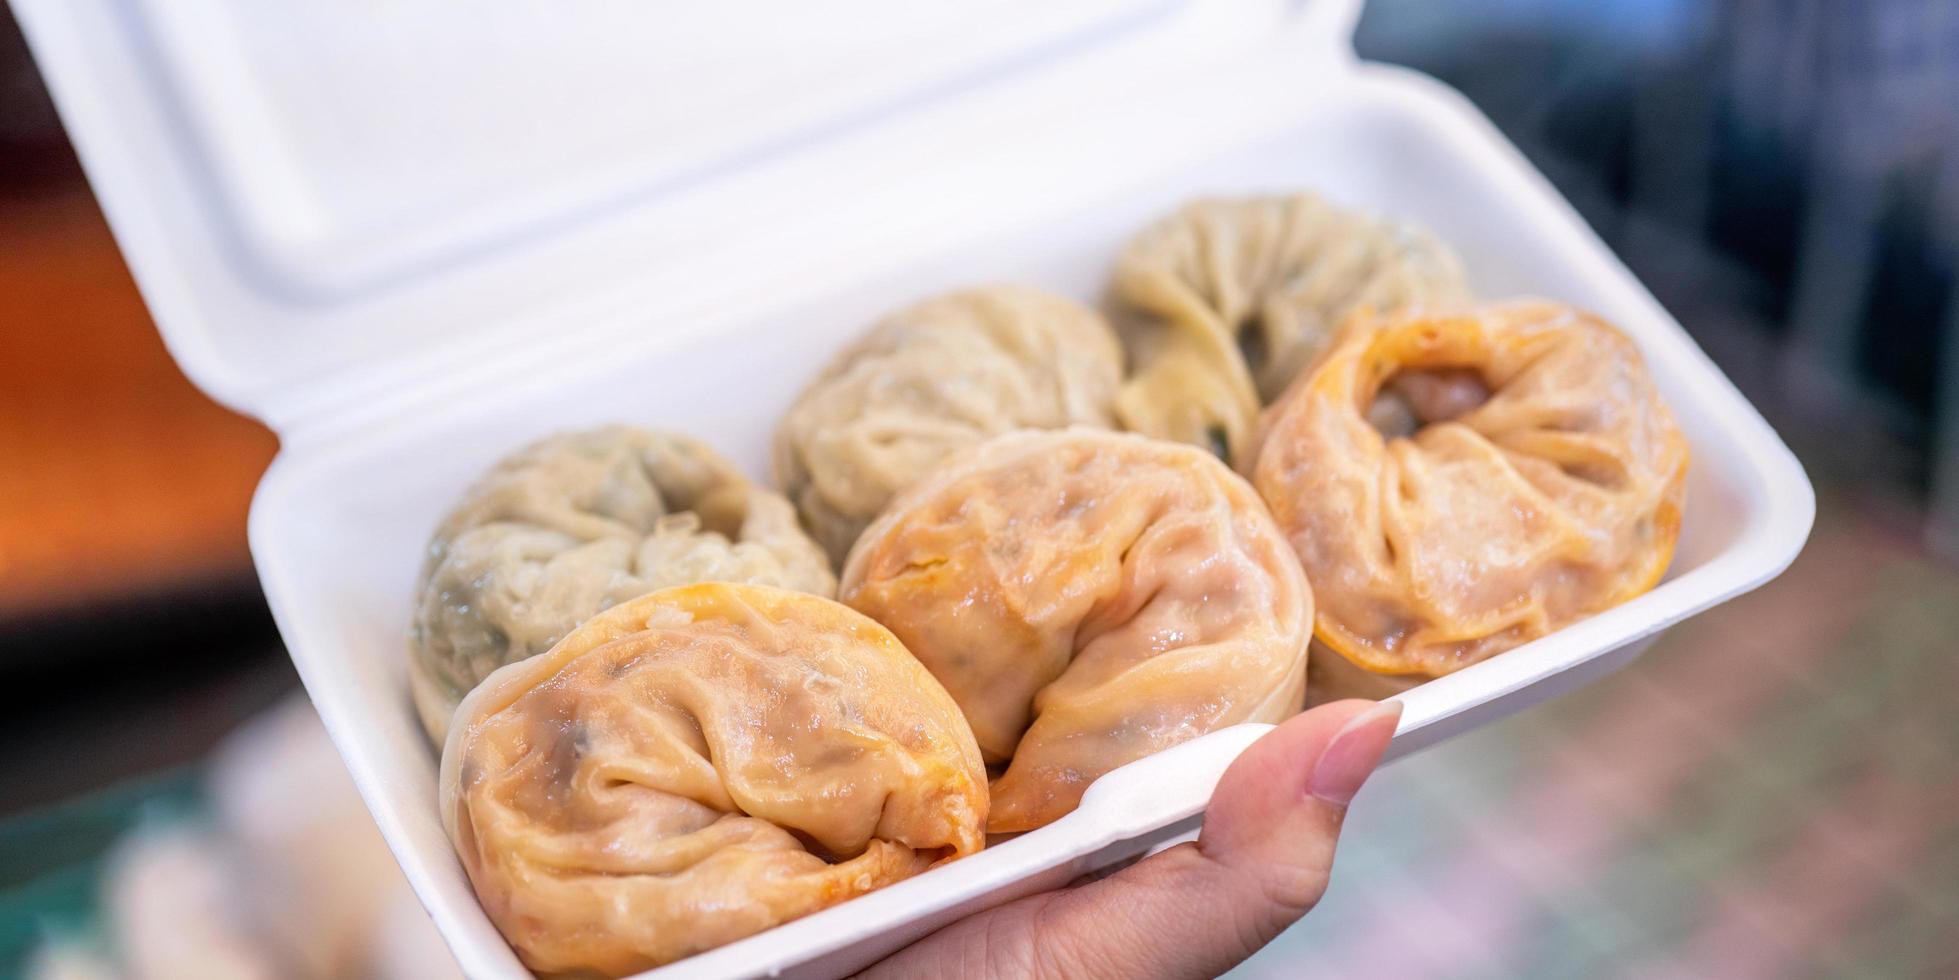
x=574, y=524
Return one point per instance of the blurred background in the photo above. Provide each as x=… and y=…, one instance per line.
x=1772, y=791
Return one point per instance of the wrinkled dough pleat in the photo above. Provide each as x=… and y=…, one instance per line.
x=1226, y=301
x=1547, y=490
x=697, y=765
x=575, y=523
x=1088, y=598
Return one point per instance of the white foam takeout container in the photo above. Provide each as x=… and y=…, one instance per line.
x=410, y=241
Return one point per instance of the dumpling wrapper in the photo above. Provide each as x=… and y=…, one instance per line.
x=577, y=522
x=1088, y=598
x=1533, y=477
x=697, y=765
x=933, y=379
x=1227, y=300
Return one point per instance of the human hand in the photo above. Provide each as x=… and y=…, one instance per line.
x=1197, y=909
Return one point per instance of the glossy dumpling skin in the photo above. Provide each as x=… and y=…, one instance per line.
x=1227, y=300
x=932, y=379
x=1088, y=598
x=1530, y=476
x=697, y=765
x=577, y=522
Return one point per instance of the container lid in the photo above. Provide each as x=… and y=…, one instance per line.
x=327, y=202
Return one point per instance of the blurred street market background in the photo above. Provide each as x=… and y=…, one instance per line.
x=1772, y=791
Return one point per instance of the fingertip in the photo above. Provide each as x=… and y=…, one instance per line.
x=1262, y=860
x=1282, y=762
x=1321, y=756
x=1353, y=753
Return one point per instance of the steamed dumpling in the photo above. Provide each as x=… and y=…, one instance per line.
x=577, y=522
x=1458, y=485
x=697, y=765
x=1227, y=300
x=934, y=378
x=1088, y=598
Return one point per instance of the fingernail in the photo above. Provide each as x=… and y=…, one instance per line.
x=1352, y=754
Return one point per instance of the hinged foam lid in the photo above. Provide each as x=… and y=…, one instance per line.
x=326, y=204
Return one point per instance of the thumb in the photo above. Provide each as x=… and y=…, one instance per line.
x=1262, y=861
